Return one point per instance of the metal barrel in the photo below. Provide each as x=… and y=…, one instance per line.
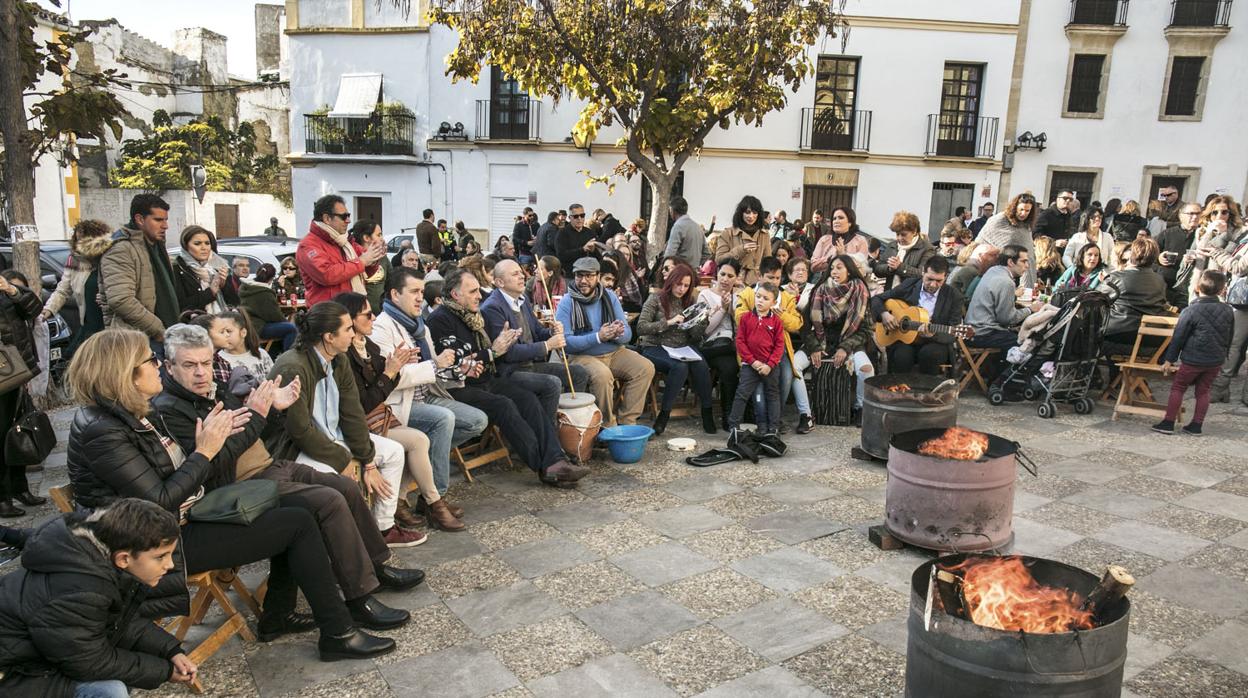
x=885, y=413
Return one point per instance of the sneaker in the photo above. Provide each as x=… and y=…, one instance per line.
x=399, y=537
x=805, y=424
x=1165, y=426
x=1193, y=429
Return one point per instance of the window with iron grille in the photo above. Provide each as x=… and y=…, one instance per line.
x=836, y=90
x=1184, y=84
x=1081, y=183
x=959, y=108
x=1085, y=84
x=1102, y=12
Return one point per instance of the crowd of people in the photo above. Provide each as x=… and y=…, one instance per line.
x=375, y=368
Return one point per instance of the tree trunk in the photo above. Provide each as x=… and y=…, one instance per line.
x=659, y=213
x=19, y=173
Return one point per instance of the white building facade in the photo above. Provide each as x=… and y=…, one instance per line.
x=920, y=111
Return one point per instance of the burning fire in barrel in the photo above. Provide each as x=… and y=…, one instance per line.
x=992, y=626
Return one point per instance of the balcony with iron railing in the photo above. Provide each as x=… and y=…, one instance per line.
x=1103, y=13
x=834, y=129
x=379, y=134
x=1200, y=13
x=510, y=118
x=962, y=136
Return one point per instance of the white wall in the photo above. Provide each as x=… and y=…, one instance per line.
x=1130, y=136
x=254, y=210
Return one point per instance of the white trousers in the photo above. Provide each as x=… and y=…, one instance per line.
x=390, y=462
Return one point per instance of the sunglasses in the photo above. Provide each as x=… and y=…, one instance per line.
x=1223, y=212
x=342, y=216
x=289, y=269
x=153, y=360
x=577, y=215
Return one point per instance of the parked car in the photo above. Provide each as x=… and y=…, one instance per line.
x=256, y=253
x=395, y=241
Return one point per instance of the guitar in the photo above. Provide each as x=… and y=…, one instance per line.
x=910, y=318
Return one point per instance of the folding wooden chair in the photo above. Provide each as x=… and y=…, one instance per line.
x=1135, y=396
x=205, y=588
x=683, y=408
x=974, y=358
x=485, y=450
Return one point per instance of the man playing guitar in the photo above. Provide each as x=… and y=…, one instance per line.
x=943, y=305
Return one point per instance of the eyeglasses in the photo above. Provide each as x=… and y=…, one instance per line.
x=577, y=215
x=1065, y=198
x=342, y=216
x=1166, y=195
x=1189, y=213
x=153, y=360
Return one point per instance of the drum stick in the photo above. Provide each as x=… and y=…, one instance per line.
x=562, y=353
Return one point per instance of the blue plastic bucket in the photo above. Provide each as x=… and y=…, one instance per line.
x=626, y=442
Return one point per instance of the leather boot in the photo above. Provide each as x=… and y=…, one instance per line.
x=356, y=644
x=708, y=421
x=422, y=507
x=440, y=516
x=660, y=421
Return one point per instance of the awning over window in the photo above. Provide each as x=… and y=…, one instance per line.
x=358, y=95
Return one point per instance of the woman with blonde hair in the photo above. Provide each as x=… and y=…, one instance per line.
x=903, y=258
x=1012, y=226
x=1048, y=262
x=116, y=451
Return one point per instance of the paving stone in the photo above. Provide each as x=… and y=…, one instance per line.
x=1146, y=485
x=1051, y=486
x=852, y=477
x=470, y=668
x=369, y=684
x=537, y=498
x=1113, y=502
x=597, y=486
x=890, y=632
x=580, y=516
x=1214, y=594
x=796, y=491
x=431, y=629
x=1034, y=538
x=787, y=570
x=548, y=647
x=1026, y=501
x=1194, y=522
x=1223, y=645
x=895, y=570
x=1187, y=677
x=588, y=585
x=514, y=530
x=848, y=509
x=717, y=593
x=642, y=500
x=634, y=620
x=1225, y=560
x=613, y=676
x=682, y=522
x=695, y=660
x=1093, y=556
x=700, y=488
x=1143, y=653
x=476, y=573
x=743, y=506
x=1080, y=469
x=848, y=549
x=546, y=556
x=491, y=509
x=1164, y=620
x=222, y=675
x=438, y=549
x=1196, y=475
x=780, y=629
x=1219, y=503
x=498, y=610
x=853, y=601
x=747, y=474
x=663, y=563
x=618, y=537
x=851, y=666
x=766, y=683
x=1073, y=517
x=730, y=543
x=1153, y=540
x=793, y=526
x=290, y=667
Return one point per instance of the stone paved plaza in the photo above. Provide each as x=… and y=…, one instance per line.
x=659, y=579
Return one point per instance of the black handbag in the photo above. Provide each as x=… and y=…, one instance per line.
x=237, y=503
x=31, y=438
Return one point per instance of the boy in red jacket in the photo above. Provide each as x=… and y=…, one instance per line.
x=760, y=344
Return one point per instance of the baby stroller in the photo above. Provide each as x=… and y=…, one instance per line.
x=1058, y=361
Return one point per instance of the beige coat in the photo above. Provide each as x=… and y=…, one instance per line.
x=731, y=243
x=127, y=285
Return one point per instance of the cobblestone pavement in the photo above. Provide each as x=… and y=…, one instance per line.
x=659, y=579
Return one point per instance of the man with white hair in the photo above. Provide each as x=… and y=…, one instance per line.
x=355, y=544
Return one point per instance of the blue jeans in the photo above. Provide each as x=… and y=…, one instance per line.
x=447, y=423
x=285, y=331
x=101, y=689
x=676, y=373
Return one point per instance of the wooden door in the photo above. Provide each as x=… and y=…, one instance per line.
x=226, y=220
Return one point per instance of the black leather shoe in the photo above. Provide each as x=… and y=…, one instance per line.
x=356, y=645
x=31, y=500
x=397, y=579
x=9, y=511
x=272, y=627
x=375, y=615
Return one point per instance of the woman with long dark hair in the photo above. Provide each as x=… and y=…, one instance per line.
x=202, y=275
x=746, y=239
x=1092, y=229
x=719, y=348
x=838, y=332
x=663, y=325
x=846, y=238
x=363, y=233
x=1086, y=274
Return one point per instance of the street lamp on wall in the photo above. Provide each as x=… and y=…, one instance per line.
x=1027, y=141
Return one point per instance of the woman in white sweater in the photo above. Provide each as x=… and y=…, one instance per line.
x=1013, y=227
x=1091, y=231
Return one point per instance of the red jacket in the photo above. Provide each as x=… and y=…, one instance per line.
x=760, y=339
x=325, y=270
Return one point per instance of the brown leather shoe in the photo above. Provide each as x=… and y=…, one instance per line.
x=404, y=517
x=440, y=516
x=422, y=507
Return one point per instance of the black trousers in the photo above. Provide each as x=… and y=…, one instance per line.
x=288, y=537
x=723, y=361
x=347, y=525
x=928, y=355
x=521, y=417
x=12, y=479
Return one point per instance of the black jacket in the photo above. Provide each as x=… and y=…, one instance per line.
x=370, y=375
x=17, y=315
x=1203, y=336
x=1055, y=224
x=611, y=227
x=570, y=246
x=1136, y=293
x=523, y=236
x=68, y=615
x=190, y=295
x=544, y=244
x=948, y=309
x=1127, y=227
x=1177, y=240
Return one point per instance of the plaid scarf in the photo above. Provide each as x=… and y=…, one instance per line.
x=832, y=302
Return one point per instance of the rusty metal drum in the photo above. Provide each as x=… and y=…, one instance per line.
x=947, y=504
x=886, y=411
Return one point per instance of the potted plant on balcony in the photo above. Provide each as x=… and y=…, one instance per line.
x=396, y=122
x=324, y=134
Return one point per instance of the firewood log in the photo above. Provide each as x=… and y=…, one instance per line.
x=952, y=600
x=1113, y=586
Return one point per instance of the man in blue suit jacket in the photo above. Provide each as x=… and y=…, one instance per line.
x=527, y=361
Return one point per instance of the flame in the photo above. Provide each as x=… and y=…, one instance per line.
x=957, y=443
x=899, y=388
x=1001, y=593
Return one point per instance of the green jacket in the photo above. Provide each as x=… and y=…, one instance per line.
x=305, y=436
x=260, y=302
